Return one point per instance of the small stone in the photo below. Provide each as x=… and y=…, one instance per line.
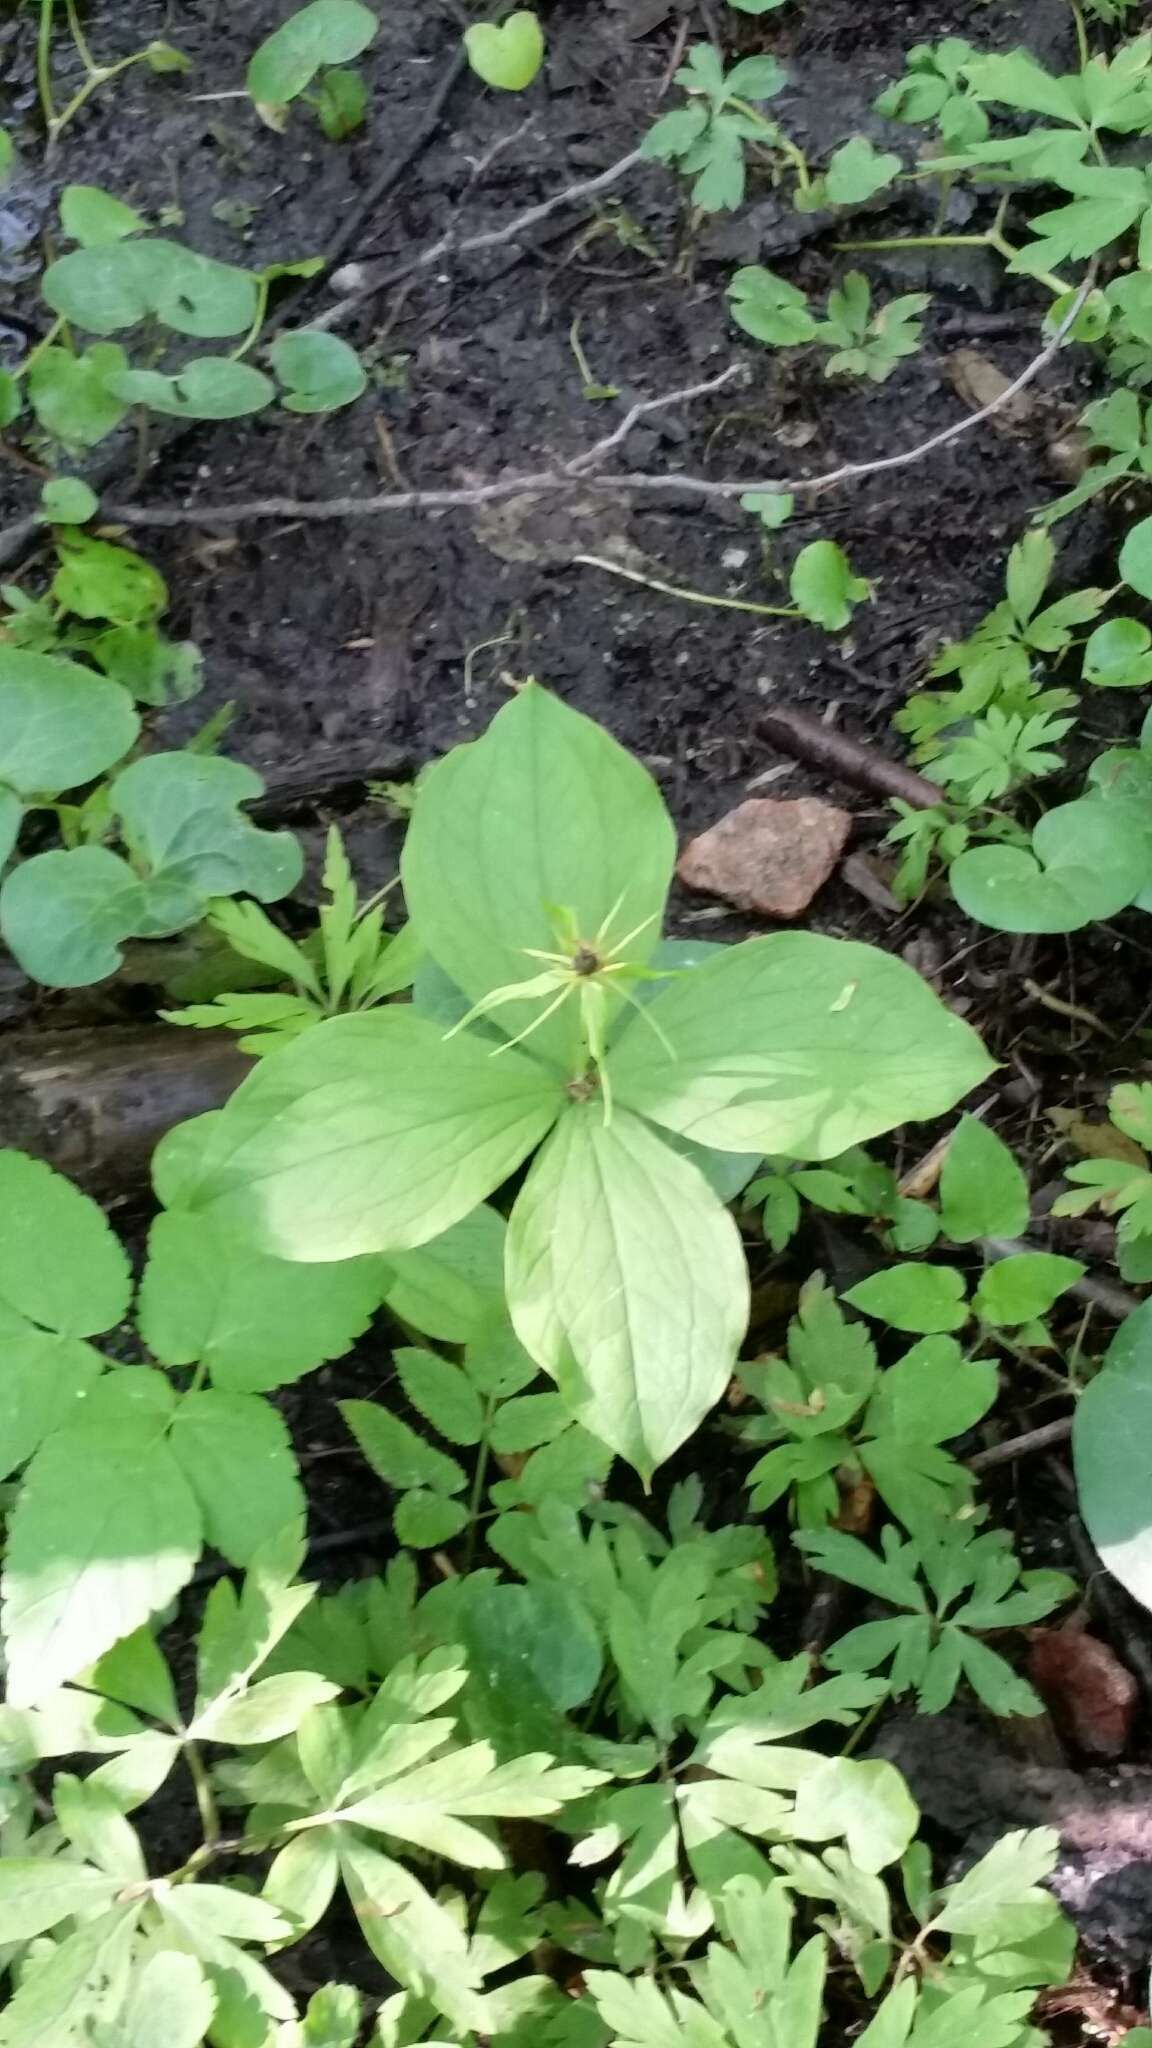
x=770, y=854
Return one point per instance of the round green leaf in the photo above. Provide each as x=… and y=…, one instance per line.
x=1112, y=1446
x=70, y=394
x=326, y=32
x=1136, y=558
x=507, y=55
x=68, y=501
x=182, y=819
x=96, y=219
x=1089, y=859
x=320, y=371
x=60, y=1264
x=60, y=725
x=1117, y=655
x=65, y=915
x=208, y=388
x=123, y=283
x=773, y=311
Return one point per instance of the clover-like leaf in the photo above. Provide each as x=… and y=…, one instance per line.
x=320, y=371
x=1088, y=860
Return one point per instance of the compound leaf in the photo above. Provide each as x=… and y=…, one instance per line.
x=60, y=1264
x=236, y=1454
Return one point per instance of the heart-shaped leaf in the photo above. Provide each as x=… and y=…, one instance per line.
x=1088, y=860
x=66, y=915
x=208, y=388
x=1118, y=655
x=327, y=32
x=507, y=56
x=70, y=393
x=94, y=218
x=320, y=371
x=181, y=819
x=122, y=283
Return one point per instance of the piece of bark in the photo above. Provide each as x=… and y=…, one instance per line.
x=95, y=1103
x=770, y=855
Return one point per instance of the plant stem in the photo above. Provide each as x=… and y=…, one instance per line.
x=262, y=286
x=991, y=239
x=205, y=1797
x=477, y=1494
x=44, y=63
x=1082, y=49
x=100, y=76
x=79, y=38
x=34, y=354
x=729, y=604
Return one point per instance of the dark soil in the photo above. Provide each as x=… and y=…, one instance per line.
x=365, y=648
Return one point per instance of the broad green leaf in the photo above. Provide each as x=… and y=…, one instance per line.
x=107, y=289
x=36, y=1893
x=771, y=310
x=42, y=1379
x=70, y=394
x=68, y=501
x=181, y=818
x=272, y=1708
x=95, y=218
x=256, y=1322
x=1018, y=1289
x=796, y=1045
x=931, y=1394
x=1009, y=1875
x=1089, y=859
x=235, y=1452
x=920, y=1298
x=983, y=1192
x=442, y=1393
x=303, y=1877
x=858, y=170
x=105, y=1532
x=204, y=1911
x=1112, y=1443
x=97, y=580
x=60, y=725
x=326, y=32
x=319, y=371
x=93, y=1821
x=136, y=1672
x=65, y=914
x=77, y=1988
x=397, y=1452
x=423, y=1520
x=528, y=1644
x=823, y=586
x=207, y=388
x=626, y=1282
x=60, y=1264
x=543, y=817
x=1136, y=557
x=1118, y=655
x=371, y=1131
x=448, y=1287
x=171, y=2002
x=333, y=2018
x=507, y=55
x=867, y=1803
x=421, y=1944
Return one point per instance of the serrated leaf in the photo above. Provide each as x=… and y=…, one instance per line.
x=931, y=1394
x=1007, y=1876
x=423, y=1520
x=486, y=873
x=255, y=1322
x=626, y=1282
x=399, y=1456
x=443, y=1394
x=796, y=1045
x=235, y=1452
x=37, y=1893
x=104, y=1533
x=60, y=1264
x=370, y=1132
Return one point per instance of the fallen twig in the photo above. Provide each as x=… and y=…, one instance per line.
x=808, y=739
x=1040, y=1439
x=392, y=173
x=580, y=469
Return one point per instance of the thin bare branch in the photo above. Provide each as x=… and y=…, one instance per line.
x=583, y=469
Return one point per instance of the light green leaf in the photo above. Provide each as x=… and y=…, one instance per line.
x=79, y=1986
x=255, y=1321
x=181, y=818
x=858, y=170
x=423, y=1520
x=1018, y=1289
x=95, y=218
x=70, y=394
x=983, y=1192
x=303, y=1877
x=774, y=311
x=1112, y=1443
x=171, y=2001
x=823, y=586
x=507, y=55
x=931, y=1394
x=236, y=1455
x=370, y=1132
x=60, y=725
x=1117, y=655
x=36, y=1893
x=207, y=388
x=268, y=1710
x=421, y=1944
x=105, y=1532
x=68, y=501
x=486, y=870
x=442, y=1392
x=104, y=290
x=92, y=1819
x=397, y=1453
x=924, y=1299
x=867, y=1803
x=333, y=2018
x=65, y=914
x=11, y=401
x=320, y=372
x=60, y=1264
x=1136, y=557
x=136, y=1672
x=1008, y=1876
x=797, y=1045
x=1089, y=859
x=204, y=1911
x=626, y=1282
x=97, y=580
x=326, y=32
x=448, y=1287
x=42, y=1380
x=341, y=104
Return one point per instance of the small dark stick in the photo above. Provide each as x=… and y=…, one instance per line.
x=807, y=739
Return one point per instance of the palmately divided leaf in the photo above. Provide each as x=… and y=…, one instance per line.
x=796, y=1045
x=545, y=814
x=626, y=1282
x=371, y=1131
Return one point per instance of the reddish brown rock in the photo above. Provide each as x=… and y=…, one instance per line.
x=769, y=855
x=1092, y=1696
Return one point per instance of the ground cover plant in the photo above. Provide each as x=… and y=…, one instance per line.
x=700, y=1311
